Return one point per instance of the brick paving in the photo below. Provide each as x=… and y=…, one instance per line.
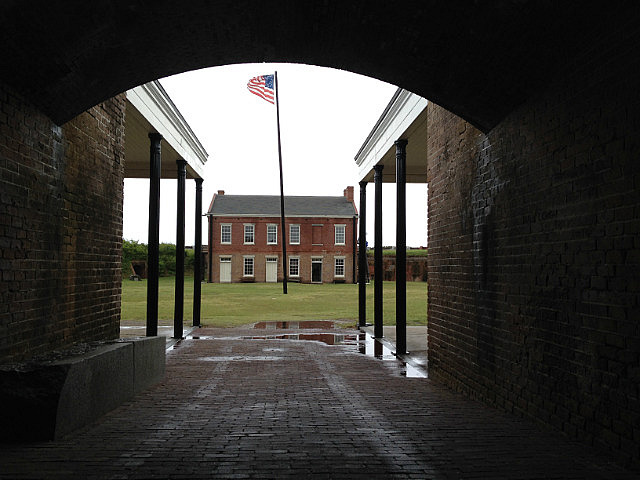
x=237, y=408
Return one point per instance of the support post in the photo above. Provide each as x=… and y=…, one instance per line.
x=210, y=249
x=153, y=253
x=363, y=266
x=197, y=263
x=401, y=247
x=178, y=309
x=354, y=259
x=377, y=253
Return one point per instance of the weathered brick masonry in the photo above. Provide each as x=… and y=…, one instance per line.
x=534, y=252
x=60, y=226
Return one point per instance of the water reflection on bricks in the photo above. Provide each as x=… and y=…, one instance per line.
x=354, y=341
x=235, y=406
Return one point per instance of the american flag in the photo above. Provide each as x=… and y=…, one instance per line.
x=262, y=86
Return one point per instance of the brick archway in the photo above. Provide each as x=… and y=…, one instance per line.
x=534, y=253
x=477, y=60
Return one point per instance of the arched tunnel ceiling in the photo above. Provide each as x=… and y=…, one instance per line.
x=478, y=59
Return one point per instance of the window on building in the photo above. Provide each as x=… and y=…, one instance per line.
x=248, y=267
x=294, y=267
x=340, y=235
x=339, y=267
x=249, y=233
x=294, y=234
x=272, y=234
x=225, y=233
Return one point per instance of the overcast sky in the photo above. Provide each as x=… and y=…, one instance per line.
x=325, y=116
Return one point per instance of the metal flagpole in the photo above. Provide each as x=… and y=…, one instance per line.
x=282, y=223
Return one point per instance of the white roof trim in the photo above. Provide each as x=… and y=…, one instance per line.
x=153, y=102
x=400, y=113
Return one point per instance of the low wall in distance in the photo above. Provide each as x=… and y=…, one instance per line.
x=416, y=268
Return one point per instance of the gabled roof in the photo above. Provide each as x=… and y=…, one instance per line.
x=269, y=206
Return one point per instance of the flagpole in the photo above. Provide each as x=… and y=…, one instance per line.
x=282, y=223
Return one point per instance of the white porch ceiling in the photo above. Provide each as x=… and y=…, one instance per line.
x=405, y=117
x=149, y=109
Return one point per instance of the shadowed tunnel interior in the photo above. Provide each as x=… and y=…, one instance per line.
x=478, y=60
x=532, y=164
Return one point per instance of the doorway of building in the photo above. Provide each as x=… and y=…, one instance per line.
x=272, y=270
x=225, y=269
x=316, y=270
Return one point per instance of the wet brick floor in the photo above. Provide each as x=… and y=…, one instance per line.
x=233, y=408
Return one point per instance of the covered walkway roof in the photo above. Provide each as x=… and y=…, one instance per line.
x=149, y=109
x=404, y=117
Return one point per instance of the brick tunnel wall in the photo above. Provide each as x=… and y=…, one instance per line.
x=534, y=254
x=60, y=227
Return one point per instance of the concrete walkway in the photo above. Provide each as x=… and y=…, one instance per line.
x=233, y=407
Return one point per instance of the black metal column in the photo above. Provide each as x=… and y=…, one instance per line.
x=153, y=253
x=178, y=309
x=210, y=250
x=363, y=266
x=197, y=262
x=377, y=256
x=401, y=246
x=354, y=245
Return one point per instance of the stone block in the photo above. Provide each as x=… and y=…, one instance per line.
x=96, y=383
x=51, y=399
x=148, y=361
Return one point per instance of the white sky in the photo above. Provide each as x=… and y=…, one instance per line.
x=325, y=116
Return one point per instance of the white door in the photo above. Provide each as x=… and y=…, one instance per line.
x=225, y=270
x=272, y=269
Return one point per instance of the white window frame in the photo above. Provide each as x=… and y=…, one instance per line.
x=298, y=267
x=244, y=265
x=222, y=226
x=335, y=267
x=274, y=226
x=253, y=233
x=291, y=226
x=344, y=234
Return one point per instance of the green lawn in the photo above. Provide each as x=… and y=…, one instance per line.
x=243, y=303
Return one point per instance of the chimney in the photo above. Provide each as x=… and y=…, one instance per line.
x=348, y=193
x=220, y=192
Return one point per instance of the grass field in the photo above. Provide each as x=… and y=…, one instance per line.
x=242, y=303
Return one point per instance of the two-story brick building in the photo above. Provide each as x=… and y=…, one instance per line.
x=245, y=238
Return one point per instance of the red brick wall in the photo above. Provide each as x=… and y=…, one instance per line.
x=60, y=227
x=534, y=254
x=328, y=250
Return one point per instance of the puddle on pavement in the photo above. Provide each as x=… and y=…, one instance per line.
x=327, y=338
x=241, y=358
x=306, y=324
x=370, y=346
x=363, y=343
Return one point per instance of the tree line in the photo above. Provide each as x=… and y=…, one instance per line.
x=132, y=250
